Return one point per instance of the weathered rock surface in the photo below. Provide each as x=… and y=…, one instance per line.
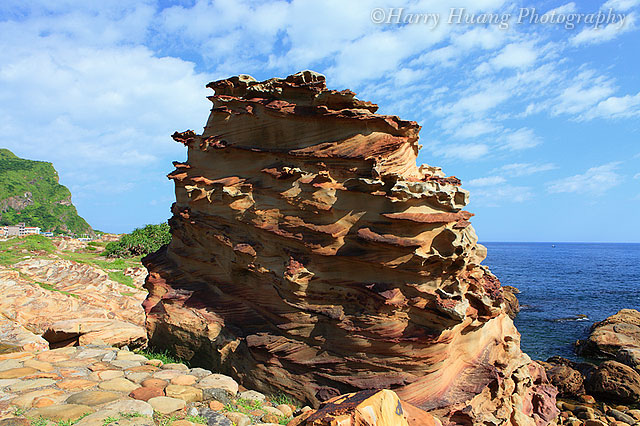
x=67, y=303
x=310, y=255
x=365, y=408
x=616, y=337
x=615, y=381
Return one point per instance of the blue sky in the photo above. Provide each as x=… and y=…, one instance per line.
x=540, y=121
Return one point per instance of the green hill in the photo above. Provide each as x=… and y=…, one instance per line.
x=30, y=193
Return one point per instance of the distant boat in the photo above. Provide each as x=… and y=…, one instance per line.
x=553, y=246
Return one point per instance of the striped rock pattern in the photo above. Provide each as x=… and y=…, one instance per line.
x=310, y=255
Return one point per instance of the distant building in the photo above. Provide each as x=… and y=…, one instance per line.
x=19, y=230
x=47, y=234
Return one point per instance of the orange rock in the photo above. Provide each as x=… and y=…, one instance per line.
x=216, y=405
x=76, y=384
x=145, y=393
x=154, y=383
x=42, y=402
x=365, y=408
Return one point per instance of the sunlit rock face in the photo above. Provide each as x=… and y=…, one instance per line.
x=311, y=256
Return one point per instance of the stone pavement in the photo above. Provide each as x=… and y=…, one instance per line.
x=97, y=385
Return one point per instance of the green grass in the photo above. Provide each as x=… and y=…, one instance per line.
x=40, y=421
x=196, y=419
x=101, y=262
x=16, y=249
x=109, y=419
x=164, y=356
x=121, y=278
x=131, y=415
x=244, y=406
x=282, y=398
x=52, y=288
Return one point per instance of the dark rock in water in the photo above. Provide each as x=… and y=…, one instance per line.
x=610, y=336
x=616, y=382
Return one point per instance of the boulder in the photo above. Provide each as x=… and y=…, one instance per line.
x=616, y=382
x=563, y=375
x=311, y=255
x=619, y=332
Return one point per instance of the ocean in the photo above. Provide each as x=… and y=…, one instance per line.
x=565, y=288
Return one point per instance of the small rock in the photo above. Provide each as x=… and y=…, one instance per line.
x=136, y=377
x=119, y=384
x=305, y=409
x=239, y=419
x=105, y=375
x=199, y=372
x=131, y=406
x=16, y=373
x=124, y=364
x=587, y=399
x=76, y=384
x=167, y=374
x=64, y=412
x=186, y=393
x=155, y=383
x=184, y=380
x=214, y=418
x=97, y=418
x=145, y=393
x=166, y=405
x=635, y=414
x=109, y=357
x=92, y=398
x=175, y=366
x=31, y=384
x=154, y=362
x=619, y=415
x=252, y=395
x=182, y=423
x=594, y=422
x=15, y=422
x=285, y=409
x=216, y=405
x=39, y=365
x=193, y=411
x=273, y=411
x=219, y=381
x=270, y=418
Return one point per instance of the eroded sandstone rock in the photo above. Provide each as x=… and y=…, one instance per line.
x=311, y=256
x=617, y=336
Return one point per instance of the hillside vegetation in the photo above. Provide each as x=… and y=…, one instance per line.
x=30, y=193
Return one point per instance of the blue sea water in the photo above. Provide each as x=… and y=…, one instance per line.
x=558, y=284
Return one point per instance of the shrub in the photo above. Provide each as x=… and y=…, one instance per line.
x=141, y=241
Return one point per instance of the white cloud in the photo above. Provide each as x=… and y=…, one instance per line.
x=586, y=90
x=486, y=181
x=524, y=169
x=616, y=107
x=636, y=176
x=620, y=5
x=467, y=152
x=475, y=129
x=592, y=35
x=564, y=9
x=515, y=55
x=495, y=196
x=521, y=139
x=596, y=180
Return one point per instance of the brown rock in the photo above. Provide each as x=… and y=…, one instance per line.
x=16, y=373
x=145, y=393
x=155, y=383
x=381, y=284
x=76, y=384
x=216, y=405
x=184, y=380
x=612, y=335
x=59, y=413
x=615, y=381
x=186, y=393
x=568, y=381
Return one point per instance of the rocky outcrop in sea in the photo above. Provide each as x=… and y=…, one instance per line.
x=311, y=256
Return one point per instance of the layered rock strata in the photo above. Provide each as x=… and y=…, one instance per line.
x=311, y=256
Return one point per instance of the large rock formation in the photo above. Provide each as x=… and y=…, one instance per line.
x=310, y=255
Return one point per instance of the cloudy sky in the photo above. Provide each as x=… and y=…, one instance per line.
x=535, y=105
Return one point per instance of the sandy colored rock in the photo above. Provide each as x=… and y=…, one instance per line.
x=137, y=377
x=218, y=381
x=25, y=385
x=166, y=405
x=76, y=384
x=608, y=337
x=129, y=406
x=106, y=374
x=64, y=412
x=382, y=408
x=39, y=365
x=155, y=383
x=216, y=405
x=167, y=374
x=184, y=380
x=323, y=260
x=186, y=393
x=15, y=373
x=27, y=399
x=119, y=384
x=93, y=397
x=285, y=410
x=175, y=366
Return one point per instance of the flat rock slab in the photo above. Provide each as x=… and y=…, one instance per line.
x=219, y=381
x=62, y=412
x=167, y=405
x=131, y=406
x=119, y=384
x=93, y=398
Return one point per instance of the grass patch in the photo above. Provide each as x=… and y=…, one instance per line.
x=40, y=421
x=121, y=278
x=245, y=406
x=196, y=419
x=16, y=249
x=283, y=398
x=164, y=356
x=127, y=293
x=52, y=288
